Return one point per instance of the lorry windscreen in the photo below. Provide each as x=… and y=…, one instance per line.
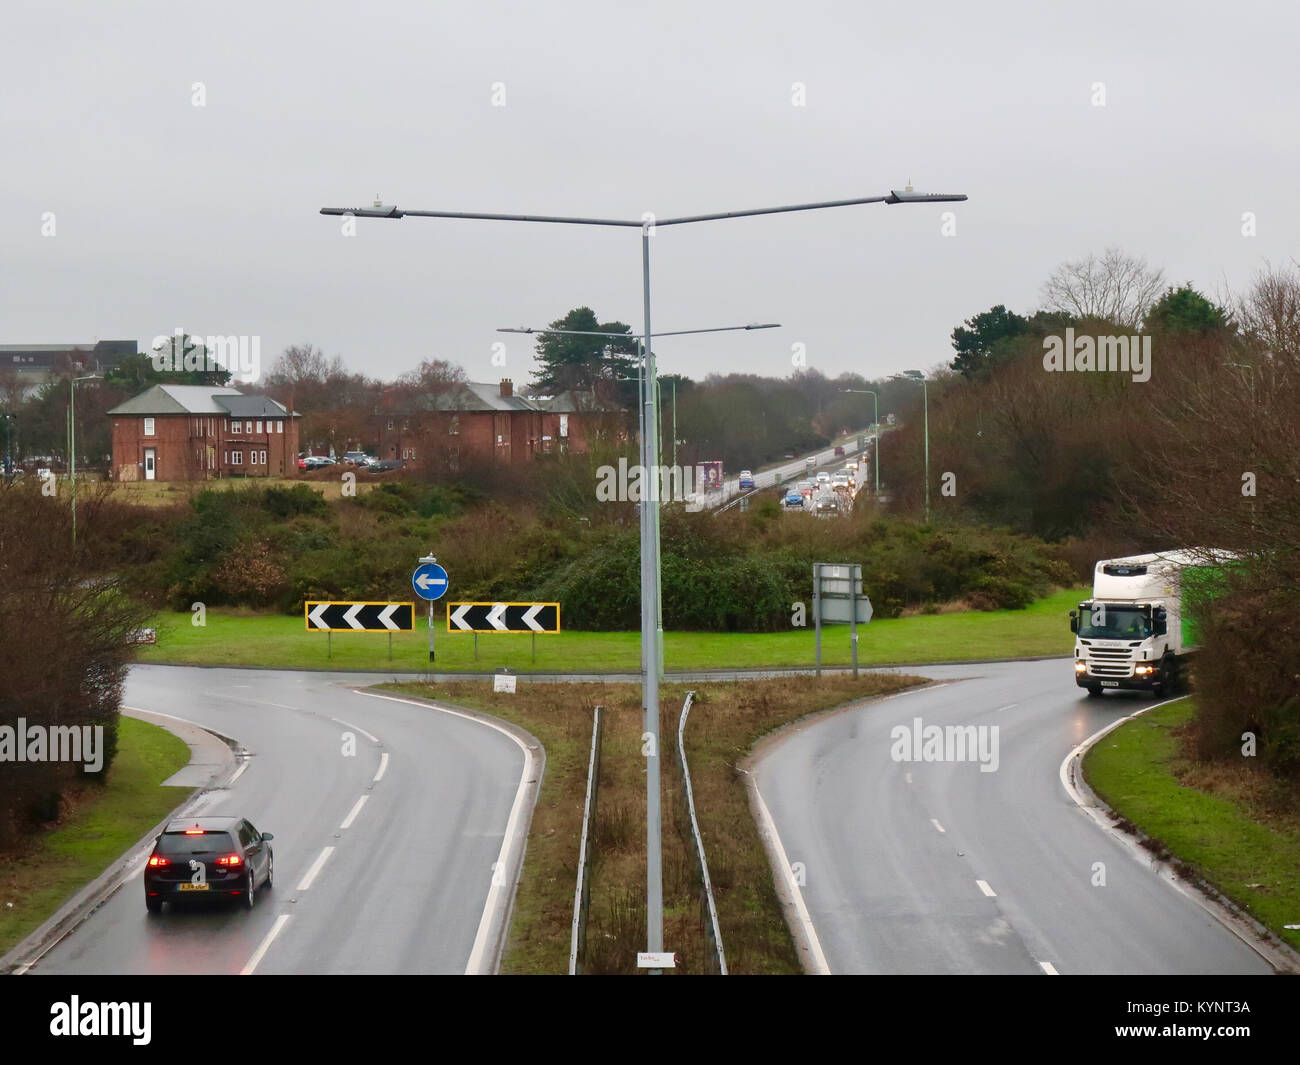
x=1106, y=621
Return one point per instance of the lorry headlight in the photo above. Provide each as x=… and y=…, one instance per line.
x=1141, y=670
x=1080, y=667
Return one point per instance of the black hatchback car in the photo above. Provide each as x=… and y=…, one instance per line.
x=203, y=857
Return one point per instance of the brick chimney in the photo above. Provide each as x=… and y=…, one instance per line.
x=507, y=387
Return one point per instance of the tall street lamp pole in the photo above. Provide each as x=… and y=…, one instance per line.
x=72, y=443
x=651, y=629
x=875, y=428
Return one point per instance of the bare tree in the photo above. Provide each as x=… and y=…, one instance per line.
x=1269, y=313
x=1116, y=288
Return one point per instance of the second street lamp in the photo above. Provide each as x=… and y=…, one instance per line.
x=72, y=443
x=651, y=630
x=875, y=429
x=917, y=375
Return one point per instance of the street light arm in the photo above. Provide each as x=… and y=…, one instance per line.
x=528, y=330
x=394, y=212
x=895, y=196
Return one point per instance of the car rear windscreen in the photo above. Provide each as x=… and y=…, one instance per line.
x=179, y=844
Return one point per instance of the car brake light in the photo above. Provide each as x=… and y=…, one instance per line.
x=231, y=860
x=194, y=831
x=157, y=861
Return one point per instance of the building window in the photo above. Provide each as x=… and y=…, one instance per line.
x=148, y=427
x=259, y=426
x=408, y=453
x=262, y=460
x=279, y=426
x=390, y=423
x=237, y=458
x=226, y=458
x=405, y=425
x=453, y=426
x=564, y=425
x=248, y=427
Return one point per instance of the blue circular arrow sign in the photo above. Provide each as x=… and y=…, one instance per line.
x=429, y=581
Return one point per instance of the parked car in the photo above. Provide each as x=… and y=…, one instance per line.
x=315, y=462
x=357, y=458
x=384, y=465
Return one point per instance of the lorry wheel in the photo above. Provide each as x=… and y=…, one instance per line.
x=1094, y=691
x=1163, y=686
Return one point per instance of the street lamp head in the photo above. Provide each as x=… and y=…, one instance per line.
x=908, y=195
x=379, y=210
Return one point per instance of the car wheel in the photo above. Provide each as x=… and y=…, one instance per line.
x=1094, y=691
x=153, y=905
x=252, y=888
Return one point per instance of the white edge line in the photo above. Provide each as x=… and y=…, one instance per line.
x=321, y=859
x=383, y=768
x=356, y=728
x=356, y=809
x=276, y=928
x=1228, y=920
x=801, y=910
x=238, y=773
x=498, y=893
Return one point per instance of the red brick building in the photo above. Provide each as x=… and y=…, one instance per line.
x=488, y=421
x=196, y=433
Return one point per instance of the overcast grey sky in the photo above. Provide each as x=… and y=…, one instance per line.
x=170, y=215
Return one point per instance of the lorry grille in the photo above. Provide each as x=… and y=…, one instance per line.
x=1110, y=662
x=1110, y=669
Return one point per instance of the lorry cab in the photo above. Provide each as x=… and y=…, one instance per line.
x=1131, y=634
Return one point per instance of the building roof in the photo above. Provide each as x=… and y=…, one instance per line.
x=199, y=399
x=41, y=358
x=243, y=406
x=486, y=396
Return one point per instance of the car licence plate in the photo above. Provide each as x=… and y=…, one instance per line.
x=1110, y=684
x=192, y=887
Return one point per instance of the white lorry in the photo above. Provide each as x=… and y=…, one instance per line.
x=1135, y=633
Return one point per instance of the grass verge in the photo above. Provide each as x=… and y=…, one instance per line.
x=726, y=721
x=242, y=638
x=1223, y=824
x=100, y=823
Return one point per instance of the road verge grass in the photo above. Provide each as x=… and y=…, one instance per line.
x=243, y=638
x=725, y=723
x=99, y=824
x=1226, y=825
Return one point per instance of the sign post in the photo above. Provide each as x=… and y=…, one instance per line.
x=838, y=598
x=430, y=582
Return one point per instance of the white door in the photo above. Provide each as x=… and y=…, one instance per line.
x=149, y=454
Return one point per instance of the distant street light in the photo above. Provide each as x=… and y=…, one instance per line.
x=917, y=375
x=72, y=443
x=651, y=625
x=875, y=427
